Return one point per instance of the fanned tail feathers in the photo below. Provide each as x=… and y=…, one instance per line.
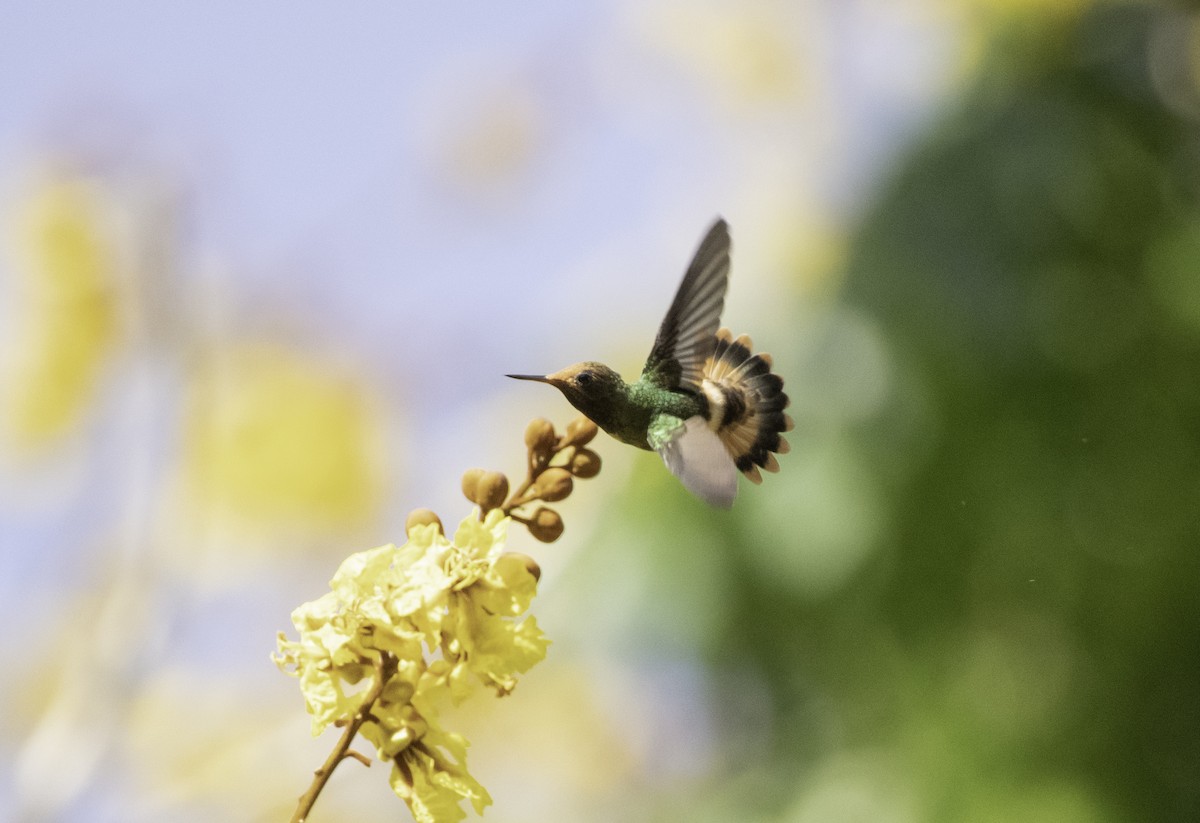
x=745, y=404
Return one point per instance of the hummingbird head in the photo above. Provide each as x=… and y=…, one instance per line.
x=593, y=388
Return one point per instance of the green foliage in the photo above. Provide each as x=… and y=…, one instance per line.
x=1020, y=642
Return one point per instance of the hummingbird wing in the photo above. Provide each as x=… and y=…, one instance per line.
x=695, y=454
x=688, y=332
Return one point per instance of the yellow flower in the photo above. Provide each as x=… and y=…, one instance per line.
x=749, y=53
x=421, y=624
x=69, y=318
x=275, y=439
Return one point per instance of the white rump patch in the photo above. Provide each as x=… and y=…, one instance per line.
x=716, y=403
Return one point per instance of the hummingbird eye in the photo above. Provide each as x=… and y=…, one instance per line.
x=584, y=378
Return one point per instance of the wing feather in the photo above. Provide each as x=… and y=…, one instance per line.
x=687, y=335
x=696, y=455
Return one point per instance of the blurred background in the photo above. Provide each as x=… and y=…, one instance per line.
x=263, y=267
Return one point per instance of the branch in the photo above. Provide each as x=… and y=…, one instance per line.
x=342, y=750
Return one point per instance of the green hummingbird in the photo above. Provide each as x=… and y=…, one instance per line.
x=704, y=402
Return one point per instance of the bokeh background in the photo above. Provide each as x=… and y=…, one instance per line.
x=264, y=266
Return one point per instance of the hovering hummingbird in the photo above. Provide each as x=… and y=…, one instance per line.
x=704, y=402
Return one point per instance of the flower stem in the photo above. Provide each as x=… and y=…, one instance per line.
x=342, y=750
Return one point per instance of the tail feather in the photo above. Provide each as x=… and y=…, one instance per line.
x=746, y=403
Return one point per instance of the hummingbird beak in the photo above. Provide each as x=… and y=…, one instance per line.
x=535, y=377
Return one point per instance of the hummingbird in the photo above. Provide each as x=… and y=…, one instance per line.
x=704, y=402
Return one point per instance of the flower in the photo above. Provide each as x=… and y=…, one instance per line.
x=405, y=629
x=70, y=323
x=276, y=439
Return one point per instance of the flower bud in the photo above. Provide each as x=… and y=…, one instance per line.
x=580, y=432
x=546, y=525
x=493, y=489
x=470, y=483
x=486, y=489
x=540, y=438
x=585, y=463
x=554, y=484
x=422, y=517
x=528, y=562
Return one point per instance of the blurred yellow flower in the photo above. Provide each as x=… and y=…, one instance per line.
x=273, y=438
x=423, y=625
x=66, y=287
x=752, y=52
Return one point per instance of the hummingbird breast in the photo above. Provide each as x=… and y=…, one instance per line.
x=644, y=402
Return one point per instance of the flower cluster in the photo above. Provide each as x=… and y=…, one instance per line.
x=402, y=631
x=405, y=630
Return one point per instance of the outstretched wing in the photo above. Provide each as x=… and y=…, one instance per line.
x=695, y=454
x=687, y=335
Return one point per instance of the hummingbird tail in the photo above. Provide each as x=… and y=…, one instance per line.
x=745, y=404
